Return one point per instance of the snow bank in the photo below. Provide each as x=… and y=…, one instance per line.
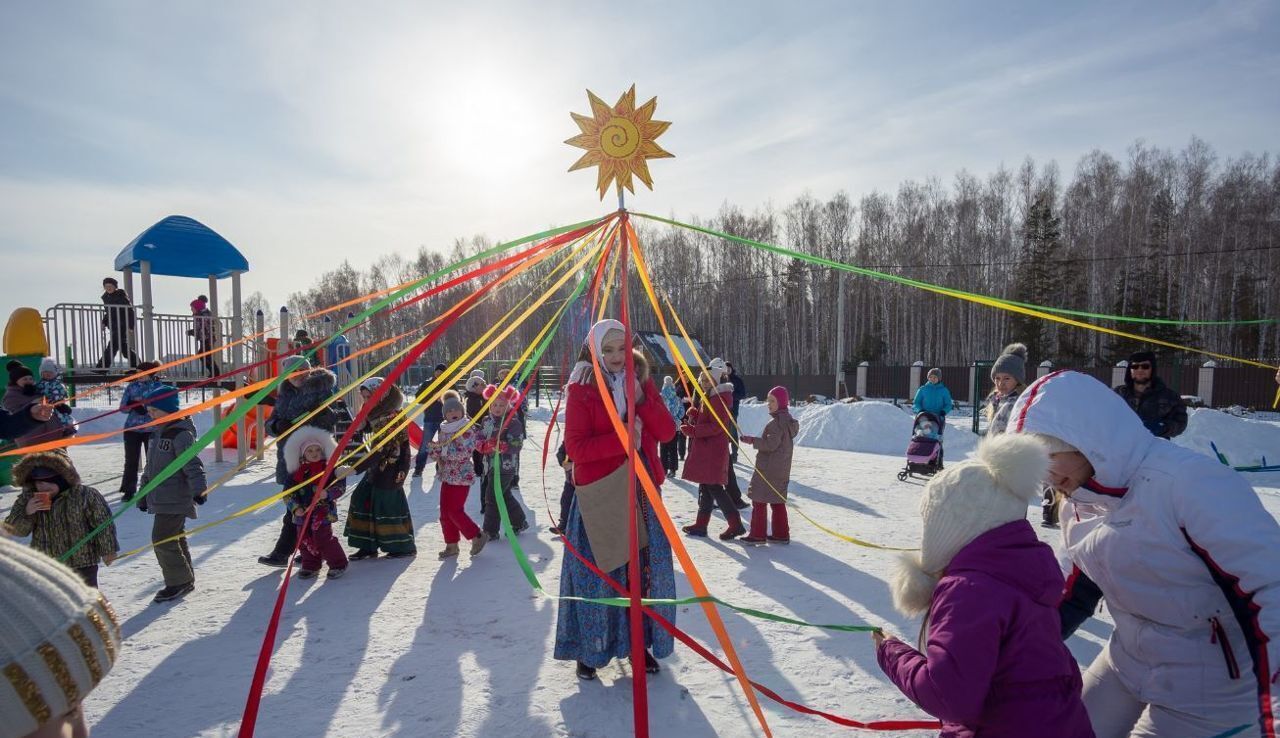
x=865, y=427
x=1243, y=441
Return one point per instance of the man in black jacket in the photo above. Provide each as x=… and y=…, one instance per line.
x=1161, y=409
x=739, y=394
x=432, y=417
x=119, y=321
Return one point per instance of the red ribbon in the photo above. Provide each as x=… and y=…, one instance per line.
x=254, y=699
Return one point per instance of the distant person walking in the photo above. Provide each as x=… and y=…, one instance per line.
x=432, y=418
x=934, y=397
x=205, y=331
x=119, y=322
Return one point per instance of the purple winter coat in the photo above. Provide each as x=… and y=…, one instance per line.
x=996, y=664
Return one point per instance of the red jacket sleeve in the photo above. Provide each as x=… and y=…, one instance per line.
x=654, y=414
x=584, y=442
x=707, y=425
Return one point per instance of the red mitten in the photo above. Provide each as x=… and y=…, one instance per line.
x=747, y=439
x=485, y=447
x=503, y=447
x=692, y=414
x=686, y=429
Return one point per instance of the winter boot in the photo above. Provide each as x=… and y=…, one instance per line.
x=586, y=673
x=174, y=592
x=651, y=664
x=776, y=539
x=364, y=553
x=450, y=550
x=336, y=573
x=278, y=562
x=307, y=573
x=699, y=526
x=754, y=540
x=734, y=530
x=477, y=543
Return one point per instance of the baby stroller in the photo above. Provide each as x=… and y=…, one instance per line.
x=924, y=451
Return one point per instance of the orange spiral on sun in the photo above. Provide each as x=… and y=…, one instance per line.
x=619, y=140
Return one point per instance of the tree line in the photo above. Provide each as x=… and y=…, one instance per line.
x=1179, y=235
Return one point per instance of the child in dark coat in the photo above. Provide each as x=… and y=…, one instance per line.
x=502, y=431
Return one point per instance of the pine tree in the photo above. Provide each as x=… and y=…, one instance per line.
x=1037, y=277
x=1147, y=289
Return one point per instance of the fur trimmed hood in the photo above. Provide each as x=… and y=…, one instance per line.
x=390, y=403
x=300, y=439
x=55, y=460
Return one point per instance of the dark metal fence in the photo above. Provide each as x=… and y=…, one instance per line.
x=1245, y=386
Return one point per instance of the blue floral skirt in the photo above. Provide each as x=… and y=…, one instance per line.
x=597, y=634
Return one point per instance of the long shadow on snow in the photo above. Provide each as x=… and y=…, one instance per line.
x=805, y=492
x=188, y=676
x=603, y=708
x=488, y=612
x=761, y=573
x=339, y=615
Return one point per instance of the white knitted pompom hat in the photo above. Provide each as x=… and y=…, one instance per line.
x=58, y=639
x=963, y=502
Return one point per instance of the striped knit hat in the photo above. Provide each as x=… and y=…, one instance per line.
x=58, y=639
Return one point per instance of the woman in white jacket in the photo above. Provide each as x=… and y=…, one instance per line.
x=1186, y=557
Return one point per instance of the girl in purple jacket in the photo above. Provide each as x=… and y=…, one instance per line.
x=991, y=661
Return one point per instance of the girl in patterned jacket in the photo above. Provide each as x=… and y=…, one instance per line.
x=456, y=472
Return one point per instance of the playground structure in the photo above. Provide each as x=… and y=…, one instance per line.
x=177, y=246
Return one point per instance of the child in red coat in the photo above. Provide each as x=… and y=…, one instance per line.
x=306, y=453
x=708, y=462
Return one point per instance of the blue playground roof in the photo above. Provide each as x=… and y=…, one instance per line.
x=179, y=246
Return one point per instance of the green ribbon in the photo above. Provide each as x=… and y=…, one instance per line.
x=242, y=408
x=929, y=285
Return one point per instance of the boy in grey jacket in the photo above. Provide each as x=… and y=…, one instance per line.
x=175, y=499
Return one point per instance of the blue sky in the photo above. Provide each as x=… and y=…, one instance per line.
x=311, y=132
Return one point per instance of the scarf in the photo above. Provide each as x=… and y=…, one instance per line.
x=450, y=427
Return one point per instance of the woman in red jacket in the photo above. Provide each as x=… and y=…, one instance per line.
x=708, y=462
x=591, y=634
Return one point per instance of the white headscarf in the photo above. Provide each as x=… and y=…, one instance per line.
x=582, y=371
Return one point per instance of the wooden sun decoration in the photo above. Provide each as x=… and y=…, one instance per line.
x=619, y=140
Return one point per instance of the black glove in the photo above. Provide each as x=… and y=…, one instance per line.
x=200, y=499
x=142, y=504
x=63, y=407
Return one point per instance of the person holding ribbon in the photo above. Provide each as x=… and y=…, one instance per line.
x=596, y=530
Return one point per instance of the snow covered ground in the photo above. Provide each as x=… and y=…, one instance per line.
x=427, y=648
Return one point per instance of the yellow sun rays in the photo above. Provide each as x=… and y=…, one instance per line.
x=619, y=140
